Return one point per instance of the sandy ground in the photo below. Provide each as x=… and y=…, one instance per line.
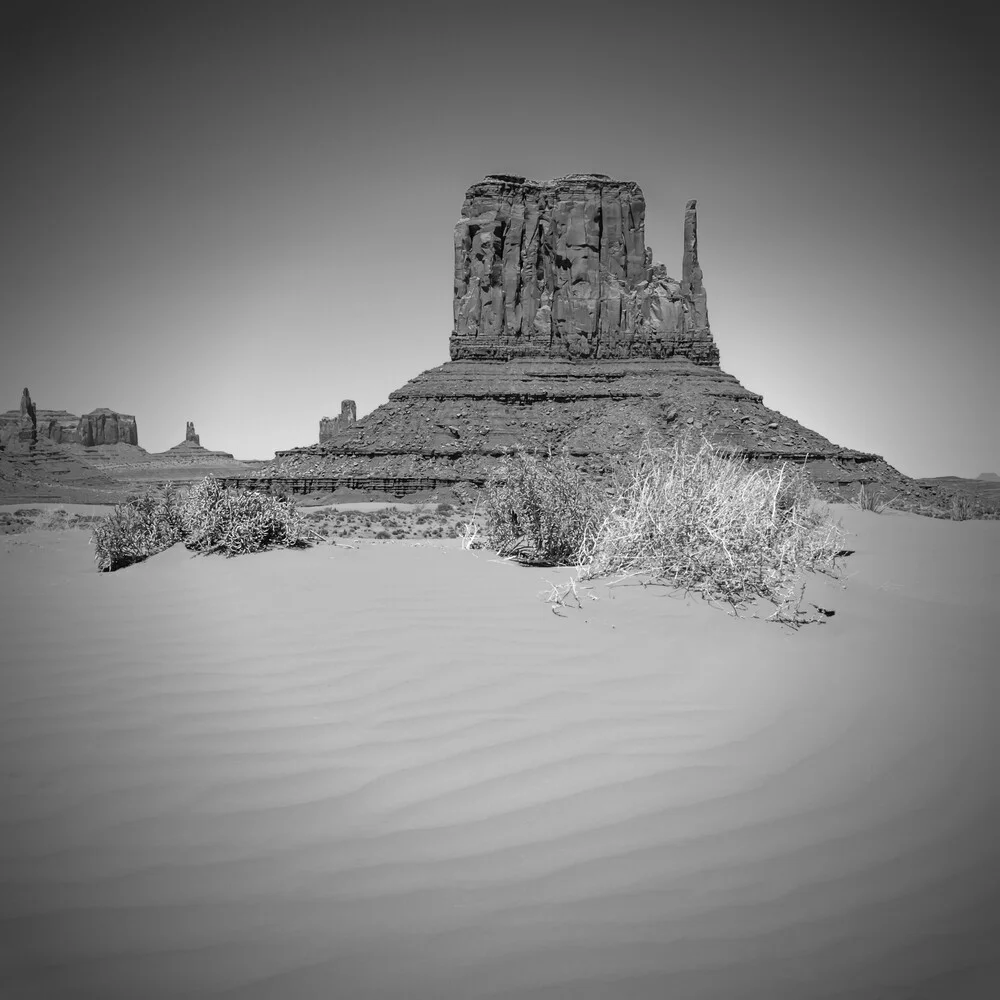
x=393, y=772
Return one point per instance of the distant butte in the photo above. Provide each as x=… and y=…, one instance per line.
x=102, y=426
x=191, y=448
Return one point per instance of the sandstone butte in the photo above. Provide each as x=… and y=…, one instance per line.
x=190, y=449
x=99, y=427
x=568, y=336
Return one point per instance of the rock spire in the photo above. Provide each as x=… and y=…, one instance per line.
x=28, y=422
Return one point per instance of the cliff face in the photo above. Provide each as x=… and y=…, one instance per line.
x=101, y=426
x=59, y=426
x=104, y=426
x=561, y=269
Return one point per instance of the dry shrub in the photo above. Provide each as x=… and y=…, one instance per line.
x=686, y=515
x=237, y=522
x=700, y=520
x=542, y=507
x=964, y=507
x=208, y=519
x=137, y=529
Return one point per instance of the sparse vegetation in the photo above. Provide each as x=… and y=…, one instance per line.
x=207, y=519
x=136, y=529
x=872, y=501
x=963, y=507
x=541, y=508
x=687, y=515
x=238, y=522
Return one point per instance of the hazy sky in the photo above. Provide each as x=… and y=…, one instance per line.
x=240, y=213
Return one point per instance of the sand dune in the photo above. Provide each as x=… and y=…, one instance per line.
x=393, y=772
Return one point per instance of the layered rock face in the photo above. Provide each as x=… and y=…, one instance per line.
x=561, y=269
x=566, y=337
x=104, y=426
x=101, y=426
x=59, y=426
x=331, y=427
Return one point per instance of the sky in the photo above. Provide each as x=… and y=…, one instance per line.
x=241, y=213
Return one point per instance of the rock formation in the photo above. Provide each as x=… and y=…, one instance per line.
x=59, y=426
x=28, y=420
x=104, y=426
x=191, y=450
x=101, y=426
x=566, y=336
x=331, y=427
x=561, y=269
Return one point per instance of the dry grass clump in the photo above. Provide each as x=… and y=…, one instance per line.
x=688, y=516
x=208, y=519
x=539, y=509
x=871, y=501
x=700, y=520
x=962, y=507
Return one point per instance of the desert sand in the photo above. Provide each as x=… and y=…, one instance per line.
x=392, y=771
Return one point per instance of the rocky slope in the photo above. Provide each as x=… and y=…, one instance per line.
x=49, y=472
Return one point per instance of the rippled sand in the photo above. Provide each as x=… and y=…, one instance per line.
x=393, y=772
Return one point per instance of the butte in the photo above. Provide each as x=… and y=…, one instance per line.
x=567, y=336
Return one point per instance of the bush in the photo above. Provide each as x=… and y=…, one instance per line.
x=704, y=521
x=233, y=522
x=137, y=529
x=208, y=519
x=963, y=507
x=540, y=508
x=685, y=515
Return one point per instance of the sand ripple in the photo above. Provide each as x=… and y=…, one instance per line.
x=392, y=772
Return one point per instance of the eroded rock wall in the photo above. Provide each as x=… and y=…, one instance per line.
x=29, y=424
x=561, y=269
x=104, y=426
